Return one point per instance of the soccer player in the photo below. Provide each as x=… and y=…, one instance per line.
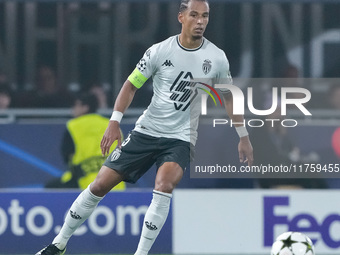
x=164, y=132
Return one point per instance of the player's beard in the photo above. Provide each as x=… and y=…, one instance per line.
x=197, y=37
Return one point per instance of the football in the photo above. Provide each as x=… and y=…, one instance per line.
x=292, y=243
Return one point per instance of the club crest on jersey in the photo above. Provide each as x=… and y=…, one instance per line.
x=116, y=154
x=206, y=67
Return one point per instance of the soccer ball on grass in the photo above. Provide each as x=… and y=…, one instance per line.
x=292, y=243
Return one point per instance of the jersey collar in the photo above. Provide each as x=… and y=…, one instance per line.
x=186, y=49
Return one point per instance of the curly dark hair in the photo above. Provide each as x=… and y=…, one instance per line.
x=184, y=4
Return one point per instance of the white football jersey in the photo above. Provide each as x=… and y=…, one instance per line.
x=175, y=106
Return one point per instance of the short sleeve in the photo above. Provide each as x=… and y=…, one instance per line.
x=146, y=64
x=144, y=68
x=224, y=75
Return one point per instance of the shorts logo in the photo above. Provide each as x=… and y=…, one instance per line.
x=116, y=154
x=125, y=142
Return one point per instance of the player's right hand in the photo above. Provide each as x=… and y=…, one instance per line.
x=112, y=133
x=245, y=150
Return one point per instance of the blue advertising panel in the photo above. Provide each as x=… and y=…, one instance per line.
x=321, y=226
x=30, y=220
x=248, y=222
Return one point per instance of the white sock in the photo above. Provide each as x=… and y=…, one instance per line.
x=80, y=210
x=153, y=221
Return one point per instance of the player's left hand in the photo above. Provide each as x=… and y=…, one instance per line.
x=245, y=151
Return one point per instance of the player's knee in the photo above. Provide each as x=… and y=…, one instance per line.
x=98, y=188
x=163, y=186
x=105, y=181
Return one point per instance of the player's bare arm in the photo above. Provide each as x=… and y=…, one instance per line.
x=112, y=132
x=245, y=149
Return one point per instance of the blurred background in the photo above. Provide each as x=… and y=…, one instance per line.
x=52, y=53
